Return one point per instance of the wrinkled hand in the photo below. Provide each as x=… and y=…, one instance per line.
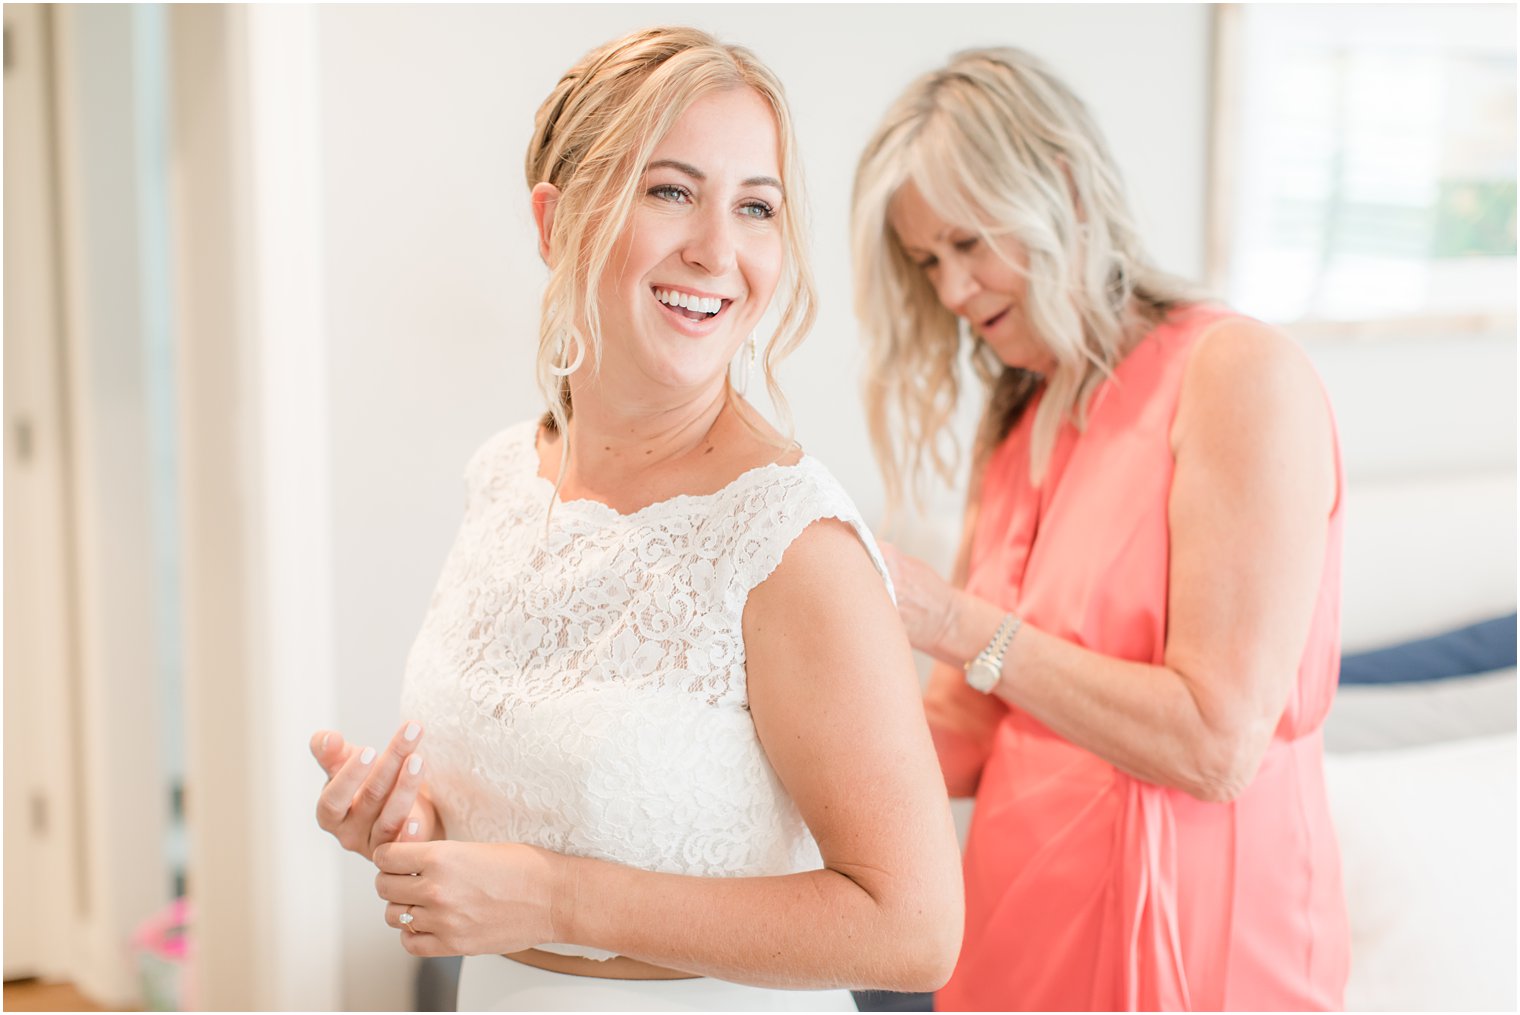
x=369, y=801
x=468, y=898
x=925, y=601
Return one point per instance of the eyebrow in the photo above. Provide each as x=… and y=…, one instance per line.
x=697, y=174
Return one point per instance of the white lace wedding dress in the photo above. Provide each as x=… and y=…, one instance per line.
x=583, y=690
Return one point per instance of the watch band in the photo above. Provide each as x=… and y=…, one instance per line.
x=984, y=671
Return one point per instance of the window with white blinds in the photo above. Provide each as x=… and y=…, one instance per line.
x=1365, y=165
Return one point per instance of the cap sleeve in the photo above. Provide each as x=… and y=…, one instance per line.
x=770, y=515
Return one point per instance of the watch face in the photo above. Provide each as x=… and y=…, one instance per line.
x=982, y=675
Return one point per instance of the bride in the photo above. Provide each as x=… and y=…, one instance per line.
x=674, y=740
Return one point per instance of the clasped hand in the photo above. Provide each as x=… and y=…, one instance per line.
x=462, y=898
x=467, y=898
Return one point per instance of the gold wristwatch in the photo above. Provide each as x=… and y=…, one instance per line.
x=984, y=672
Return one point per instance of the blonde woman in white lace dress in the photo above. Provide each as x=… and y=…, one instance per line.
x=673, y=737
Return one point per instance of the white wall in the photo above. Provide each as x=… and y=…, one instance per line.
x=432, y=279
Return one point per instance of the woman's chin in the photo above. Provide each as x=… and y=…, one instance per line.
x=688, y=368
x=1022, y=356
x=685, y=378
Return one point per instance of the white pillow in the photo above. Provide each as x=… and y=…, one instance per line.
x=1427, y=838
x=1380, y=716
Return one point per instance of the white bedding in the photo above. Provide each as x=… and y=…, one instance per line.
x=1427, y=837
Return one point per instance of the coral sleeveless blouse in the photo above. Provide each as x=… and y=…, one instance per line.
x=1086, y=888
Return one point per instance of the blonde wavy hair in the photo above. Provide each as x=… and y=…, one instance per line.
x=593, y=137
x=1000, y=147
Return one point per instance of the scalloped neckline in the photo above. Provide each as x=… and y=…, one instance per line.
x=594, y=506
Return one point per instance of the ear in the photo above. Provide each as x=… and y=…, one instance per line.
x=545, y=200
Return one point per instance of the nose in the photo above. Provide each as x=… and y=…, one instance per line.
x=710, y=246
x=955, y=285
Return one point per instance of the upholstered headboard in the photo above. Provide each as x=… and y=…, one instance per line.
x=1426, y=554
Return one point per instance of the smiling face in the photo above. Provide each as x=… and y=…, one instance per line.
x=983, y=285
x=695, y=268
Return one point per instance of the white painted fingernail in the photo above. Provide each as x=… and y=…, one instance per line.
x=366, y=756
x=411, y=828
x=412, y=729
x=325, y=738
x=415, y=765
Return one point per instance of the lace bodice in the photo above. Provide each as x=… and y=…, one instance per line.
x=584, y=690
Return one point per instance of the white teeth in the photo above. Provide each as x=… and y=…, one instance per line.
x=703, y=304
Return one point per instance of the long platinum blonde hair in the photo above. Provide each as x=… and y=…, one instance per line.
x=1000, y=147
x=593, y=137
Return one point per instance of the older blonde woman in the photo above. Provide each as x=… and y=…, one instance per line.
x=673, y=735
x=1140, y=640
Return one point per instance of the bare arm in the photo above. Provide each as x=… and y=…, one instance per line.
x=836, y=705
x=1253, y=487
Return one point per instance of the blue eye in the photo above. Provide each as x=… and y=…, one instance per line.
x=670, y=192
x=758, y=210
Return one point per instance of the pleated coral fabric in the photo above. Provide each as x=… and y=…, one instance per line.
x=1087, y=889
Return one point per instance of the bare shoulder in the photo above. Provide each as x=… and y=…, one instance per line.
x=1247, y=372
x=1253, y=417
x=821, y=635
x=827, y=565
x=825, y=602
x=827, y=550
